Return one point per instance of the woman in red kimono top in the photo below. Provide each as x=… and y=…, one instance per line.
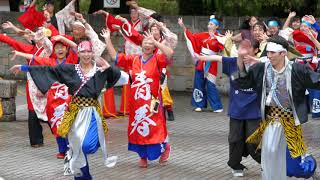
x=61, y=55
x=206, y=43
x=130, y=48
x=36, y=103
x=163, y=35
x=33, y=19
x=147, y=131
x=82, y=122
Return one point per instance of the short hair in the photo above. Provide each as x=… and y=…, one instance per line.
x=260, y=24
x=296, y=18
x=279, y=40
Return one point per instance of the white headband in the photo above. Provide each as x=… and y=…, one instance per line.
x=274, y=47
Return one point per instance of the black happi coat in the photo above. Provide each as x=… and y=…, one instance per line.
x=68, y=74
x=302, y=78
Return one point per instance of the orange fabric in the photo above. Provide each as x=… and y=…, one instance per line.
x=125, y=96
x=109, y=108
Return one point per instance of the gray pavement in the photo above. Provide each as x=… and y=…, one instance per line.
x=199, y=148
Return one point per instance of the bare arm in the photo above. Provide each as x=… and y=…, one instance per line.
x=171, y=39
x=106, y=35
x=72, y=44
x=216, y=58
x=9, y=25
x=237, y=37
x=21, y=54
x=288, y=20
x=313, y=39
x=165, y=49
x=181, y=24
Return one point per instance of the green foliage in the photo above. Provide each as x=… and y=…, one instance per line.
x=278, y=8
x=168, y=7
x=84, y=5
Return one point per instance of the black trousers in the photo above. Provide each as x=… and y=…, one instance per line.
x=239, y=131
x=35, y=129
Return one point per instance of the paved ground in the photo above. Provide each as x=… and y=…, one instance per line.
x=199, y=149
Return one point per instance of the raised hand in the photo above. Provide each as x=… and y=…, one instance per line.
x=15, y=69
x=105, y=33
x=15, y=54
x=101, y=12
x=247, y=59
x=7, y=25
x=102, y=63
x=44, y=8
x=160, y=24
x=264, y=37
x=228, y=34
x=148, y=35
x=133, y=4
x=309, y=18
x=292, y=14
x=78, y=16
x=181, y=24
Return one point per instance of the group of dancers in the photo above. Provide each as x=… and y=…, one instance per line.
x=70, y=85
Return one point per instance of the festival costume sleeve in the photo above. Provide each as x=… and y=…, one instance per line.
x=111, y=20
x=145, y=12
x=32, y=18
x=193, y=44
x=64, y=18
x=171, y=38
x=97, y=45
x=72, y=57
x=311, y=78
x=228, y=47
x=48, y=46
x=110, y=76
x=16, y=45
x=229, y=65
x=36, y=60
x=124, y=61
x=162, y=60
x=145, y=15
x=45, y=76
x=129, y=33
x=247, y=80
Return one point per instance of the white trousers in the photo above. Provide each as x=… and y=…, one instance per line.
x=273, y=153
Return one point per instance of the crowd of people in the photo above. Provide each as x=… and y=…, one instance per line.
x=273, y=72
